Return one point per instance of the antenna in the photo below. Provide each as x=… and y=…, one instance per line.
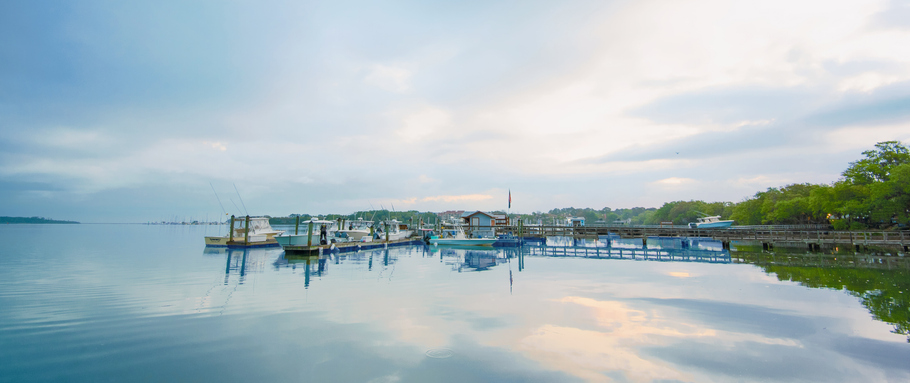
x=219, y=199
x=241, y=199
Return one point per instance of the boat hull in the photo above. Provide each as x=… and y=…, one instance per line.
x=396, y=236
x=355, y=235
x=462, y=242
x=295, y=240
x=216, y=241
x=714, y=225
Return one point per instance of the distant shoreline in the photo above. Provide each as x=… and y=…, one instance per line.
x=32, y=220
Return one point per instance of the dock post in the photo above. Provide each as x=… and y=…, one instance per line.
x=232, y=229
x=644, y=242
x=386, y=232
x=309, y=235
x=246, y=231
x=297, y=226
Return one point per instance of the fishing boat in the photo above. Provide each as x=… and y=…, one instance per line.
x=397, y=230
x=711, y=222
x=356, y=230
x=304, y=239
x=457, y=237
x=258, y=232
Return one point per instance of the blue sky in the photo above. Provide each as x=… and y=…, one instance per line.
x=127, y=111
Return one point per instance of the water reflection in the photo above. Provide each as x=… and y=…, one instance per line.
x=594, y=309
x=881, y=283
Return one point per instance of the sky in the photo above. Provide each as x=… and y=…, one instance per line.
x=144, y=111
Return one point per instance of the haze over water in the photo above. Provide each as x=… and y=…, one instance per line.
x=149, y=303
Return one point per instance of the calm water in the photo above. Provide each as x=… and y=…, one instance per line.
x=150, y=303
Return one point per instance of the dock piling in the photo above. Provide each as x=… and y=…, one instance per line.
x=309, y=234
x=246, y=231
x=232, y=229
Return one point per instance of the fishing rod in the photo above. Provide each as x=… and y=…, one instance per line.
x=241, y=198
x=219, y=199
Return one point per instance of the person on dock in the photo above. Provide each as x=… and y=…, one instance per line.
x=323, y=235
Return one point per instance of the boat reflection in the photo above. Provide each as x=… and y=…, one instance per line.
x=241, y=262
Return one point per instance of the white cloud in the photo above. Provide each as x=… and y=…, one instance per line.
x=479, y=103
x=390, y=78
x=215, y=145
x=428, y=123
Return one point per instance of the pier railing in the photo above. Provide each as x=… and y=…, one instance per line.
x=757, y=234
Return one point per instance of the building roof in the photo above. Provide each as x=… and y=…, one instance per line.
x=494, y=216
x=466, y=214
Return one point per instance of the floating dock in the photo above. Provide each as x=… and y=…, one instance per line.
x=346, y=247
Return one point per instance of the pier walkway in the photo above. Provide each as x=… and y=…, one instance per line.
x=768, y=237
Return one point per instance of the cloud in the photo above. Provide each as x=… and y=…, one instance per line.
x=215, y=145
x=674, y=181
x=428, y=123
x=578, y=103
x=390, y=78
x=457, y=198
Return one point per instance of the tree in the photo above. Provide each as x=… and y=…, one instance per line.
x=877, y=165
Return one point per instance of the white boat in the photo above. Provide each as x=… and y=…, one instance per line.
x=304, y=238
x=260, y=233
x=356, y=230
x=711, y=222
x=460, y=239
x=397, y=230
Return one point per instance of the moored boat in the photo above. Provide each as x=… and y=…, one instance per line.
x=247, y=232
x=356, y=230
x=305, y=239
x=460, y=239
x=711, y=222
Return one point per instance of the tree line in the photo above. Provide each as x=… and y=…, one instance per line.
x=874, y=192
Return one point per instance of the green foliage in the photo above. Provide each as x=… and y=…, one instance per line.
x=684, y=212
x=878, y=164
x=5, y=220
x=883, y=292
x=875, y=192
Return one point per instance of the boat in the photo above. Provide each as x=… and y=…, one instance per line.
x=458, y=238
x=397, y=230
x=260, y=233
x=711, y=222
x=356, y=230
x=304, y=239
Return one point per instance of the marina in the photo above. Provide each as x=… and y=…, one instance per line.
x=705, y=191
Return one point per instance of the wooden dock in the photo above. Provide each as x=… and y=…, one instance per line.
x=768, y=237
x=345, y=247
